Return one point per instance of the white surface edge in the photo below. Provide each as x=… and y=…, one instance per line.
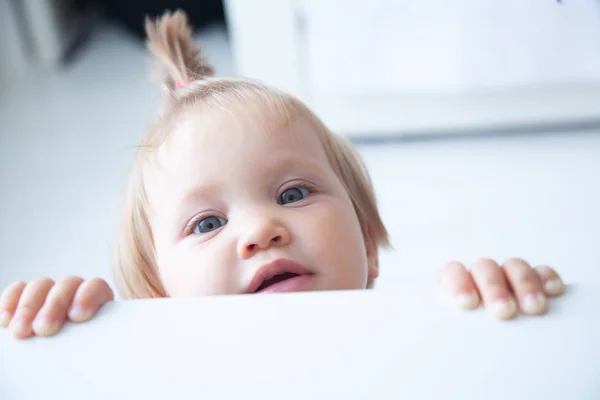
x=347, y=345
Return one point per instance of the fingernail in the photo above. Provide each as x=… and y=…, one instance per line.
x=78, y=313
x=45, y=325
x=467, y=300
x=554, y=287
x=4, y=318
x=19, y=326
x=534, y=303
x=19, y=323
x=504, y=308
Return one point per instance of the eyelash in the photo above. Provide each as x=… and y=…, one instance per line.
x=191, y=226
x=304, y=185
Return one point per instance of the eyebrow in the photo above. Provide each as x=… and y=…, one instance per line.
x=197, y=193
x=279, y=166
x=286, y=163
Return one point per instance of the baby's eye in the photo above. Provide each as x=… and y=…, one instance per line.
x=209, y=224
x=292, y=195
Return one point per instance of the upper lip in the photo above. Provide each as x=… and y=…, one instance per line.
x=273, y=268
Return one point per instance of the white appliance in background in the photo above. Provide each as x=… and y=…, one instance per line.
x=35, y=34
x=13, y=53
x=386, y=67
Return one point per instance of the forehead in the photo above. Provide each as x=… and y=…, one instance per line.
x=210, y=145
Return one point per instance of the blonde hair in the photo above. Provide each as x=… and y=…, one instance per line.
x=187, y=81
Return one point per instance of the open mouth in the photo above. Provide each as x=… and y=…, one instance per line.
x=280, y=277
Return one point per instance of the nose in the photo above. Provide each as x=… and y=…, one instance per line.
x=262, y=235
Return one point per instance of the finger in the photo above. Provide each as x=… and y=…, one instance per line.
x=526, y=285
x=457, y=283
x=53, y=313
x=31, y=301
x=9, y=300
x=90, y=296
x=553, y=284
x=493, y=288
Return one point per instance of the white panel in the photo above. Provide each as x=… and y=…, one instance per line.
x=352, y=345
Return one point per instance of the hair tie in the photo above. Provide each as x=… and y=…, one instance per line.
x=180, y=84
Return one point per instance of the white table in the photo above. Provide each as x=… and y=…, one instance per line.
x=351, y=345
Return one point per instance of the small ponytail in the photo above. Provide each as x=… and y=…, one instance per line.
x=178, y=60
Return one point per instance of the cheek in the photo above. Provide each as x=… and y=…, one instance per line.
x=176, y=272
x=189, y=270
x=335, y=240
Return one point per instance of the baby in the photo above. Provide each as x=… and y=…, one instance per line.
x=238, y=188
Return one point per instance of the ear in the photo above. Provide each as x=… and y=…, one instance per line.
x=372, y=254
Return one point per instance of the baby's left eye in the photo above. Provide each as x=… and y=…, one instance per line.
x=209, y=224
x=293, y=195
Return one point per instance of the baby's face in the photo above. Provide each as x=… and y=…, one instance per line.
x=236, y=208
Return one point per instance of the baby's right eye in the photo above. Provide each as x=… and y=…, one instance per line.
x=209, y=224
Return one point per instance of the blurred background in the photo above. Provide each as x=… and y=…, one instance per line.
x=479, y=120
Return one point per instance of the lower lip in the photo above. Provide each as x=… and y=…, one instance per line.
x=296, y=284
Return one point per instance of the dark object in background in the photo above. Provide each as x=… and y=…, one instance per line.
x=132, y=13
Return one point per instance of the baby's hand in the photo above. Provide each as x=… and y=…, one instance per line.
x=502, y=288
x=42, y=306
